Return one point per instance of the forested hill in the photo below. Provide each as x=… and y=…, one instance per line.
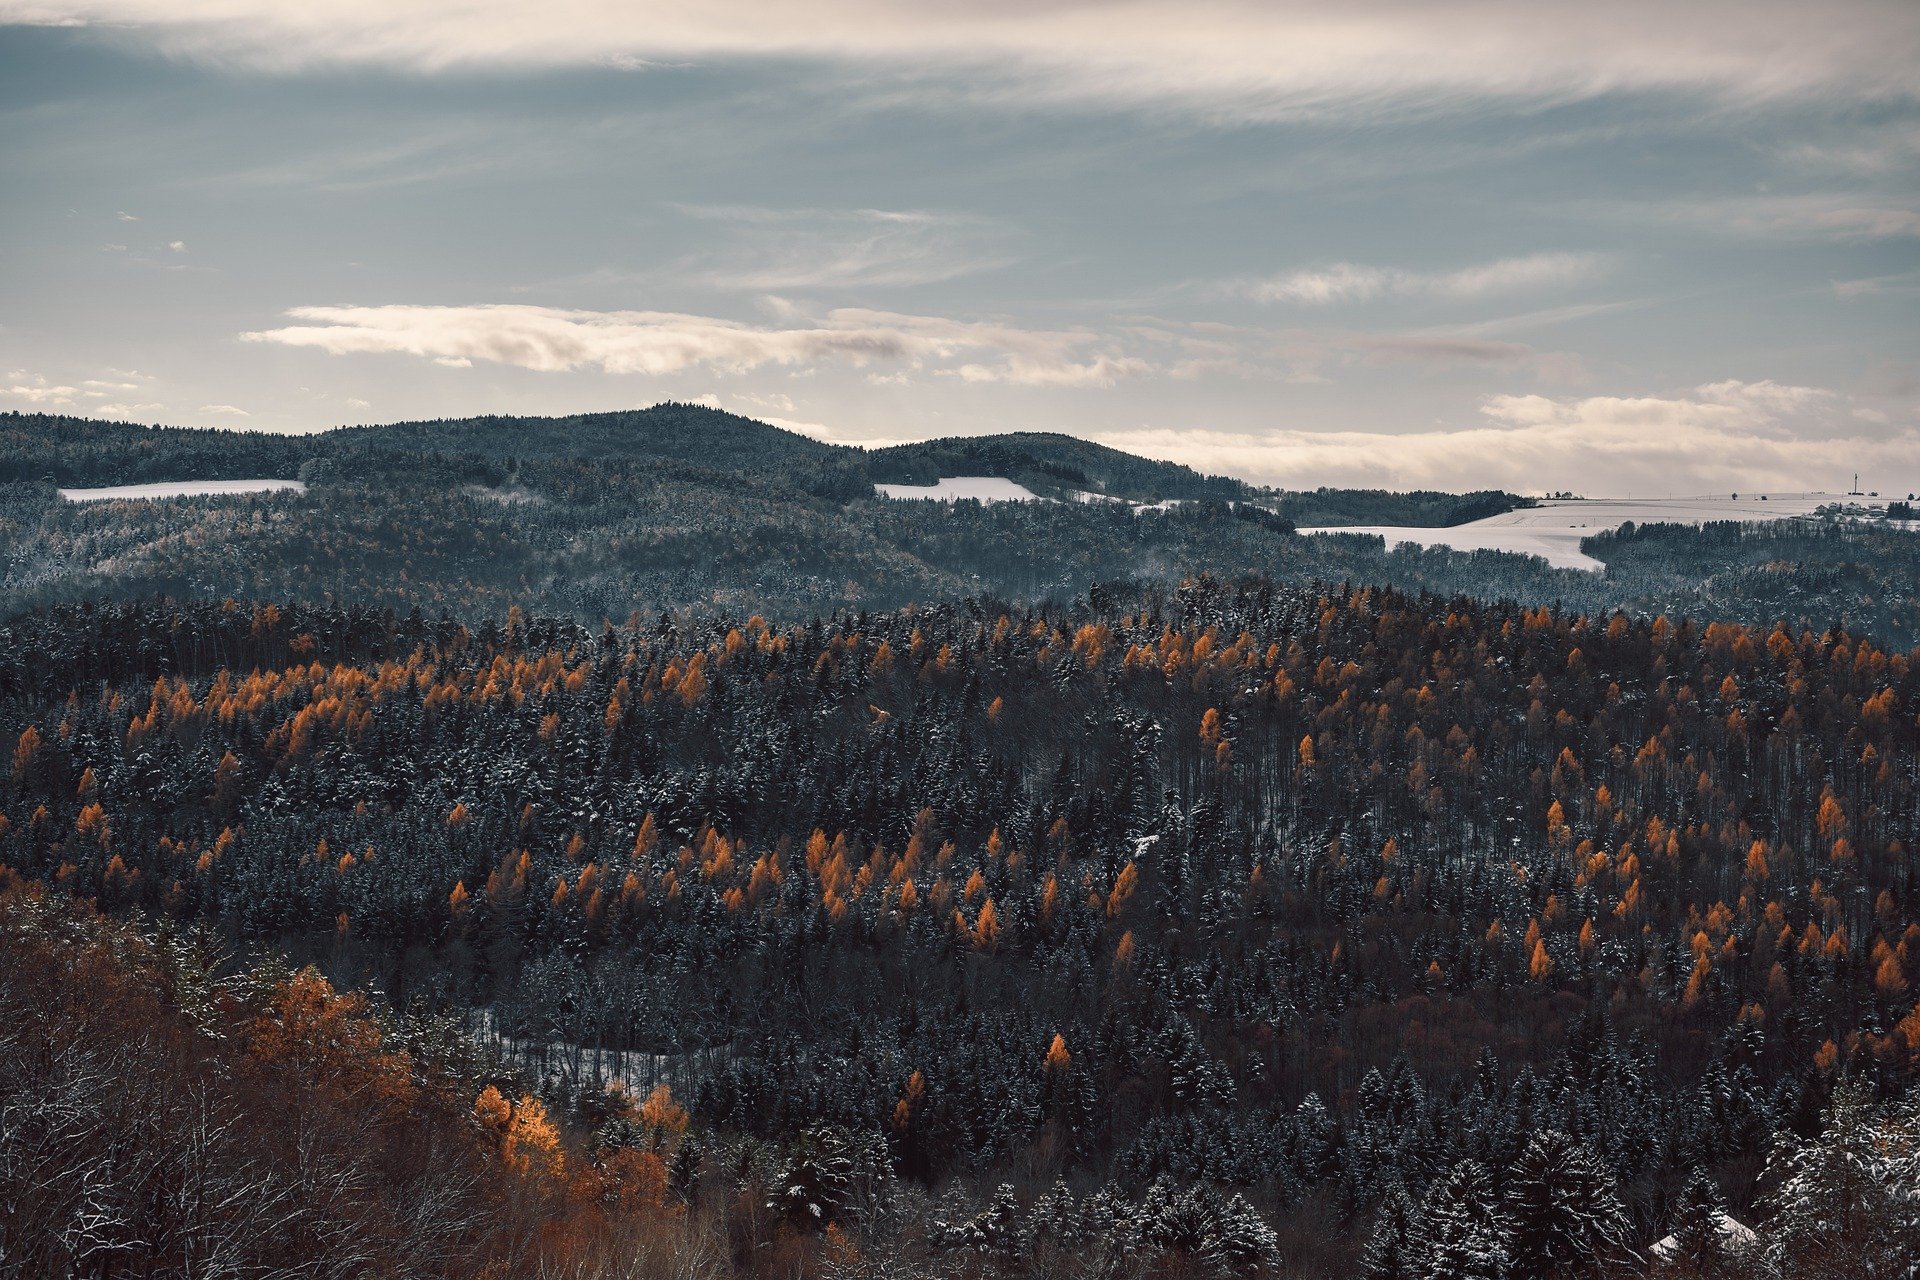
x=89, y=453
x=528, y=521
x=671, y=433
x=55, y=449
x=76, y=451
x=1239, y=930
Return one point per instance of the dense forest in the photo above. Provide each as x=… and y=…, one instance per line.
x=1224, y=929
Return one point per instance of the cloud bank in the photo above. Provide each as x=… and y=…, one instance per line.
x=556, y=340
x=1724, y=436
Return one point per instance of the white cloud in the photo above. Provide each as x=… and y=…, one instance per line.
x=178, y=246
x=1341, y=282
x=1900, y=282
x=1350, y=282
x=41, y=394
x=1027, y=371
x=231, y=410
x=778, y=249
x=551, y=340
x=1246, y=55
x=1721, y=436
x=35, y=389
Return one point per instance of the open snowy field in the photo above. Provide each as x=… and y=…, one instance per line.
x=959, y=488
x=181, y=489
x=1553, y=529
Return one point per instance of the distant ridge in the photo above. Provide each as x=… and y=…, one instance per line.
x=683, y=507
x=91, y=452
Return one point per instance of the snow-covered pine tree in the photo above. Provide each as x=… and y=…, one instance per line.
x=1697, y=1249
x=1238, y=1239
x=1057, y=1218
x=1391, y=1249
x=1847, y=1205
x=815, y=1180
x=998, y=1230
x=1172, y=1218
x=1315, y=1139
x=1463, y=1233
x=1563, y=1208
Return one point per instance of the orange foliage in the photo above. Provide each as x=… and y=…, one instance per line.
x=1058, y=1059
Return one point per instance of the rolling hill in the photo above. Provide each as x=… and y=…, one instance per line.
x=682, y=507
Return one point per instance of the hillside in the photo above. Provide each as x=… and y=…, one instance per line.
x=1153, y=887
x=1212, y=931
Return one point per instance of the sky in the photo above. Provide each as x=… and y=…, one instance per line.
x=1615, y=248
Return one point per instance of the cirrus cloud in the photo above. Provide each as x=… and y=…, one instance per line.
x=1257, y=55
x=781, y=249
x=1350, y=282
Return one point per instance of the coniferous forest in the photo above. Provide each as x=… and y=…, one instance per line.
x=614, y=862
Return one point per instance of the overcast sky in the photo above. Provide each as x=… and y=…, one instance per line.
x=1609, y=247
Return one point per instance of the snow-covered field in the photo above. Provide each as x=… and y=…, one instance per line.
x=181, y=489
x=958, y=488
x=1553, y=529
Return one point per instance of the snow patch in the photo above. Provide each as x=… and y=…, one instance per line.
x=181, y=489
x=961, y=488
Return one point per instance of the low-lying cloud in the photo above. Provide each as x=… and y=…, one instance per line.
x=1720, y=437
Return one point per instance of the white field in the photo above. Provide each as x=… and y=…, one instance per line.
x=181, y=489
x=959, y=488
x=1553, y=529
